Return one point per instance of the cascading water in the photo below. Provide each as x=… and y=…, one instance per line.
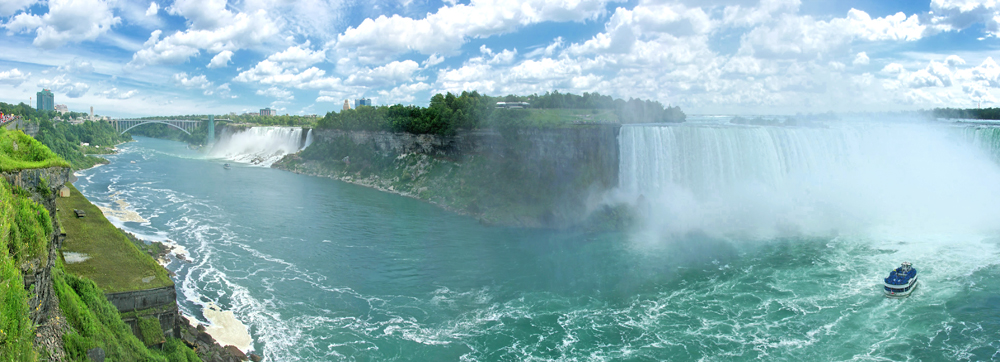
x=764, y=182
x=260, y=145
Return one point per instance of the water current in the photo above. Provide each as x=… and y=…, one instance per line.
x=789, y=269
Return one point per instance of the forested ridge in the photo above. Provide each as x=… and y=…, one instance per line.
x=448, y=113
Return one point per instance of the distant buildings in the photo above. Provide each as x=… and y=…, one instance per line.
x=46, y=100
x=62, y=109
x=347, y=104
x=362, y=102
x=268, y=112
x=513, y=105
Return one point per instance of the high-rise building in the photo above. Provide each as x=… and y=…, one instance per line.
x=46, y=100
x=362, y=102
x=347, y=104
x=268, y=112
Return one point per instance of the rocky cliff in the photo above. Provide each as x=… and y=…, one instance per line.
x=536, y=177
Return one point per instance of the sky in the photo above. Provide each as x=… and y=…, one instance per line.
x=142, y=58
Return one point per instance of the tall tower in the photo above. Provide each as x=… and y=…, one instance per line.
x=91, y=113
x=347, y=104
x=46, y=100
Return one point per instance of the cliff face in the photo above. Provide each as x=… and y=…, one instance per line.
x=539, y=177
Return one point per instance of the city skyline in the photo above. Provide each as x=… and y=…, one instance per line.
x=729, y=56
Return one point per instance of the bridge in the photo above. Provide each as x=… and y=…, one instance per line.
x=186, y=126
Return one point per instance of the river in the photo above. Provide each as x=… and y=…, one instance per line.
x=324, y=270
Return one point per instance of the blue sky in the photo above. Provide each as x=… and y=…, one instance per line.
x=134, y=58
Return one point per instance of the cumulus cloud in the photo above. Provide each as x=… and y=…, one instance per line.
x=77, y=65
x=114, y=93
x=275, y=92
x=13, y=77
x=153, y=9
x=214, y=33
x=861, y=59
x=62, y=84
x=221, y=60
x=954, y=15
x=66, y=21
x=432, y=60
x=9, y=7
x=199, y=81
x=394, y=72
x=288, y=68
x=806, y=37
x=405, y=93
x=446, y=30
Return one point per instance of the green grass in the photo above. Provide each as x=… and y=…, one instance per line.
x=115, y=264
x=16, y=331
x=27, y=154
x=563, y=117
x=96, y=323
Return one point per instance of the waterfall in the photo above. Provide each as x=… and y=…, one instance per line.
x=766, y=181
x=260, y=145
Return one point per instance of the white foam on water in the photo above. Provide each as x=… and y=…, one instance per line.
x=261, y=146
x=226, y=329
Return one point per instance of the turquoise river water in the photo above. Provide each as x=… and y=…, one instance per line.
x=758, y=243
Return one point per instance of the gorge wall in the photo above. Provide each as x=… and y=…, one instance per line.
x=535, y=177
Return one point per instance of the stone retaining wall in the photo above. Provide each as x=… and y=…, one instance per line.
x=143, y=299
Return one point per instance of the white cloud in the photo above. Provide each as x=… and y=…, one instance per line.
x=805, y=37
x=9, y=7
x=838, y=66
x=738, y=15
x=446, y=30
x=114, y=93
x=954, y=15
x=242, y=31
x=77, y=65
x=199, y=81
x=861, y=59
x=405, y=93
x=432, y=60
x=62, y=84
x=221, y=60
x=272, y=73
x=394, y=72
x=275, y=92
x=153, y=9
x=13, y=77
x=297, y=56
x=987, y=72
x=66, y=21
x=954, y=60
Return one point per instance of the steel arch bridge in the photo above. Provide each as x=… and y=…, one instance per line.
x=123, y=125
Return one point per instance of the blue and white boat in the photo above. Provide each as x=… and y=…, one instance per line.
x=901, y=281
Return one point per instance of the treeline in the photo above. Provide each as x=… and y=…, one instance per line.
x=971, y=113
x=630, y=111
x=65, y=139
x=448, y=113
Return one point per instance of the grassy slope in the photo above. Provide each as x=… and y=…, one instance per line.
x=115, y=264
x=29, y=154
x=16, y=331
x=562, y=117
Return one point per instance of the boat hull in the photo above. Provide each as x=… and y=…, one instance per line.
x=900, y=291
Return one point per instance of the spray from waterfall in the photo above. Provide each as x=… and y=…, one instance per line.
x=261, y=146
x=769, y=181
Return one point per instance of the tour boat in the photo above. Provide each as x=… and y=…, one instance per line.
x=901, y=281
x=226, y=166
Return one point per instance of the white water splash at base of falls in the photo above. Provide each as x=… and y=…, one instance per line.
x=261, y=146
